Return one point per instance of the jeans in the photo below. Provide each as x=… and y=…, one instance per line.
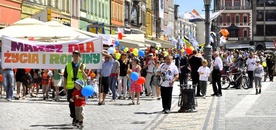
x=203, y=87
x=113, y=81
x=147, y=84
x=8, y=83
x=258, y=82
x=122, y=85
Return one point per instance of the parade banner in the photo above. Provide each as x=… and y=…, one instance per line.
x=17, y=53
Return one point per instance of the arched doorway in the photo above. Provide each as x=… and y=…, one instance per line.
x=259, y=47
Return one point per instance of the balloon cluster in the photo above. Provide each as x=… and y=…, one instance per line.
x=135, y=77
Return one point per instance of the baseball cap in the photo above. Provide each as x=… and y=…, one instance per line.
x=80, y=82
x=76, y=52
x=150, y=54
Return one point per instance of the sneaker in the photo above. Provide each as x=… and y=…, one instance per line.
x=23, y=97
x=132, y=103
x=158, y=98
x=80, y=125
x=260, y=91
x=167, y=112
x=9, y=99
x=204, y=97
x=119, y=97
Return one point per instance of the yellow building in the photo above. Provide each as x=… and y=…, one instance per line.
x=45, y=10
x=149, y=13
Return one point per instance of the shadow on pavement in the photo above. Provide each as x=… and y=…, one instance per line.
x=242, y=94
x=60, y=126
x=147, y=113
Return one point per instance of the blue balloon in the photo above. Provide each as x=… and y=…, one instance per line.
x=117, y=43
x=176, y=55
x=134, y=76
x=110, y=50
x=123, y=47
x=87, y=90
x=141, y=53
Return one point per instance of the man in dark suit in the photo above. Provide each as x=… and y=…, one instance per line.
x=182, y=63
x=195, y=63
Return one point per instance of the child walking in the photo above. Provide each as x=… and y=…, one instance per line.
x=204, y=72
x=46, y=81
x=259, y=73
x=79, y=101
x=135, y=88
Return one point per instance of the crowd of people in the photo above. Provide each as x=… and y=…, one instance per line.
x=161, y=68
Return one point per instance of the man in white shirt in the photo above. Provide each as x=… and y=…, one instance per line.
x=169, y=74
x=251, y=62
x=216, y=75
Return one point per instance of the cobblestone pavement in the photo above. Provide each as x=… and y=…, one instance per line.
x=236, y=109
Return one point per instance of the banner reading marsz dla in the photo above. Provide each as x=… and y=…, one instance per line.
x=17, y=53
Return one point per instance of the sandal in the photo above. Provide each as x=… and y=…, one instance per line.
x=17, y=97
x=138, y=103
x=132, y=103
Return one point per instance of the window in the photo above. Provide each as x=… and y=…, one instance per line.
x=270, y=15
x=126, y=11
x=103, y=10
x=96, y=10
x=237, y=3
x=245, y=33
x=270, y=30
x=260, y=30
x=245, y=18
x=233, y=33
x=237, y=18
x=228, y=4
x=260, y=15
x=83, y=4
x=270, y=2
x=228, y=19
x=100, y=12
x=260, y=3
x=67, y=6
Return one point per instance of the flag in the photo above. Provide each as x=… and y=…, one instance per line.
x=193, y=40
x=215, y=15
x=168, y=30
x=196, y=14
x=106, y=39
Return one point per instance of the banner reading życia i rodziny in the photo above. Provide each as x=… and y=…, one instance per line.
x=18, y=53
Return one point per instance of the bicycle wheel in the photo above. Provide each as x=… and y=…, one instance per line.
x=225, y=82
x=245, y=82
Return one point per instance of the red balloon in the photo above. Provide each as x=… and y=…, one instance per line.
x=141, y=80
x=1, y=77
x=189, y=51
x=27, y=70
x=32, y=39
x=131, y=49
x=15, y=70
x=120, y=36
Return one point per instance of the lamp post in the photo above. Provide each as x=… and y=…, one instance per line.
x=207, y=47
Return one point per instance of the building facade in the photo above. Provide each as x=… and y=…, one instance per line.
x=149, y=19
x=117, y=14
x=95, y=16
x=237, y=18
x=45, y=10
x=264, y=24
x=9, y=12
x=185, y=28
x=171, y=15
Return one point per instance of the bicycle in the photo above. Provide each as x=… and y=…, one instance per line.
x=228, y=79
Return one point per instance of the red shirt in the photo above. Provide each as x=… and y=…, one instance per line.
x=78, y=102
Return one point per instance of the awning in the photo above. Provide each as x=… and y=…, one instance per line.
x=132, y=44
x=269, y=45
x=153, y=43
x=237, y=46
x=165, y=44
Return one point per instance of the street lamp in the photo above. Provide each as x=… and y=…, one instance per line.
x=207, y=47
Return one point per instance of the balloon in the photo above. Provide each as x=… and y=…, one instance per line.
x=141, y=80
x=135, y=51
x=111, y=50
x=264, y=64
x=126, y=49
x=134, y=76
x=123, y=47
x=87, y=90
x=117, y=43
x=176, y=55
x=182, y=50
x=15, y=70
x=224, y=32
x=1, y=78
x=117, y=56
x=141, y=53
x=131, y=49
x=189, y=51
x=166, y=53
x=27, y=70
x=120, y=36
x=92, y=75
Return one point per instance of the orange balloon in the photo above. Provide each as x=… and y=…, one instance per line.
x=131, y=49
x=28, y=70
x=224, y=32
x=1, y=78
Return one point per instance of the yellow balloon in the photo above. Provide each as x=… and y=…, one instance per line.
x=158, y=48
x=118, y=56
x=126, y=49
x=166, y=53
x=264, y=64
x=135, y=52
x=192, y=48
x=182, y=50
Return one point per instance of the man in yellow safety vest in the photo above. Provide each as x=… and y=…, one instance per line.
x=73, y=71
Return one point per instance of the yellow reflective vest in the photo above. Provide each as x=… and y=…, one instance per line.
x=70, y=82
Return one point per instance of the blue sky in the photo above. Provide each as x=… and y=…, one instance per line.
x=189, y=5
